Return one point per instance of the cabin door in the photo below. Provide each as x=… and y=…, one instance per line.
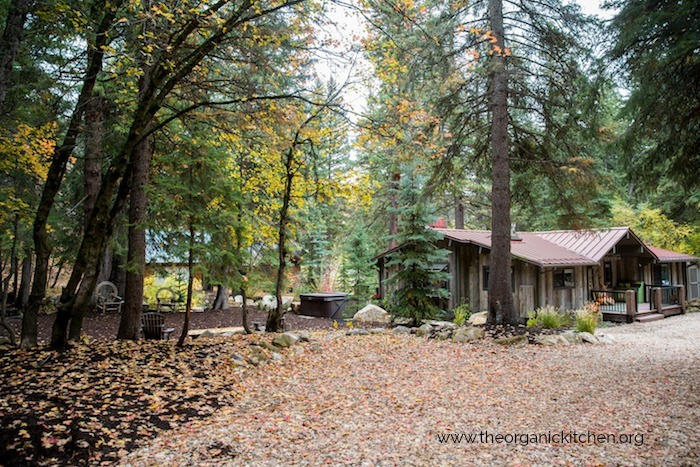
x=693, y=283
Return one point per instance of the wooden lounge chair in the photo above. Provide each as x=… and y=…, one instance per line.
x=107, y=298
x=167, y=300
x=153, y=326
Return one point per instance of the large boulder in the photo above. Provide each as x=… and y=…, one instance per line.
x=424, y=331
x=372, y=314
x=304, y=336
x=285, y=340
x=588, y=338
x=467, y=334
x=478, y=318
x=551, y=340
x=604, y=338
x=257, y=356
x=514, y=341
x=441, y=324
x=571, y=337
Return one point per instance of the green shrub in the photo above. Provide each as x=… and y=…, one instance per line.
x=462, y=314
x=587, y=318
x=532, y=319
x=548, y=317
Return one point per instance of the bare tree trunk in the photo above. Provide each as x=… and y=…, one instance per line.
x=221, y=300
x=92, y=170
x=59, y=271
x=9, y=43
x=136, y=259
x=244, y=310
x=118, y=273
x=393, y=212
x=459, y=213
x=190, y=282
x=6, y=285
x=56, y=171
x=75, y=296
x=25, y=283
x=500, y=295
x=15, y=277
x=274, y=317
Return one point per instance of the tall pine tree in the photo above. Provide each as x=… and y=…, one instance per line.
x=418, y=261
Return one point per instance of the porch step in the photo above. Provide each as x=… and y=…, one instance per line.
x=648, y=317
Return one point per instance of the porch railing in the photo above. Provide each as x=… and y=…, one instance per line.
x=664, y=296
x=612, y=301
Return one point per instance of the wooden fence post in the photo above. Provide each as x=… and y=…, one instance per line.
x=656, y=299
x=631, y=304
x=681, y=297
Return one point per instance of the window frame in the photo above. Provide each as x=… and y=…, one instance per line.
x=563, y=283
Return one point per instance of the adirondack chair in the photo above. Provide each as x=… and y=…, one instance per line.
x=167, y=300
x=107, y=298
x=153, y=326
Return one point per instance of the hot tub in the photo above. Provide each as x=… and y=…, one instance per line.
x=324, y=305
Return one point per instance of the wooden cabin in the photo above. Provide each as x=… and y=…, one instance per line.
x=612, y=267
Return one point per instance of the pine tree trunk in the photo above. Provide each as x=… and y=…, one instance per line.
x=500, y=295
x=92, y=170
x=136, y=259
x=9, y=43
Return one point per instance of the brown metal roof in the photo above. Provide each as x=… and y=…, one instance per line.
x=668, y=256
x=531, y=248
x=562, y=248
x=593, y=244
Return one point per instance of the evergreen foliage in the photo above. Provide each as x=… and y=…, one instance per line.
x=657, y=43
x=357, y=271
x=418, y=260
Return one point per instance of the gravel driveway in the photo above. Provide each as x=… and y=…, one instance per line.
x=400, y=400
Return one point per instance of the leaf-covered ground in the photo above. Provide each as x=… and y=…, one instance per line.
x=102, y=399
x=376, y=400
x=387, y=399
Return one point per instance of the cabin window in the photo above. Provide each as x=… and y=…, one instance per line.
x=563, y=278
x=662, y=274
x=485, y=278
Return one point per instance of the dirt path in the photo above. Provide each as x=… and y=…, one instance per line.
x=387, y=399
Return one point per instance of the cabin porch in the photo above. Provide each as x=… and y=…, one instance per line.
x=624, y=306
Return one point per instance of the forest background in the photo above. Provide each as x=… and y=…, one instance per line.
x=211, y=133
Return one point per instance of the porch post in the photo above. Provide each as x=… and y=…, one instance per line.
x=656, y=299
x=631, y=304
x=681, y=297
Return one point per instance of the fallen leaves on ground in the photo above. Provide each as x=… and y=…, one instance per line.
x=377, y=400
x=100, y=400
x=384, y=399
